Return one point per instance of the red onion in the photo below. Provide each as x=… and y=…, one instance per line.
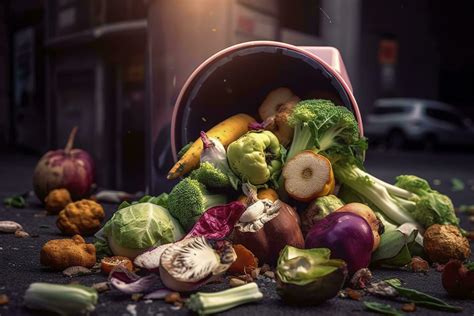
x=348, y=236
x=72, y=169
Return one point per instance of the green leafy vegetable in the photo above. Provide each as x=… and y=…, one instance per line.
x=210, y=303
x=189, y=199
x=16, y=201
x=466, y=208
x=161, y=200
x=410, y=200
x=422, y=299
x=382, y=308
x=327, y=129
x=395, y=246
x=136, y=228
x=457, y=185
x=61, y=299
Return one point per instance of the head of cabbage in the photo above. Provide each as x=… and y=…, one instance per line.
x=136, y=228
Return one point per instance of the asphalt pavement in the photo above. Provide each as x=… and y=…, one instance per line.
x=19, y=258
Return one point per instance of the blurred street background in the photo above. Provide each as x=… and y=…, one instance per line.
x=87, y=63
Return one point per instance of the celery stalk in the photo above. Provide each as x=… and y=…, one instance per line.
x=210, y=303
x=65, y=300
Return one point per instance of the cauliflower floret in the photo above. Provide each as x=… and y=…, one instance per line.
x=82, y=217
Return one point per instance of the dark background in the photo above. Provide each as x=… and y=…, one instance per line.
x=88, y=63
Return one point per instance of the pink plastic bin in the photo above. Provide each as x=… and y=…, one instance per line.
x=238, y=78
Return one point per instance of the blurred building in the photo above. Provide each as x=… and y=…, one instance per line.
x=115, y=67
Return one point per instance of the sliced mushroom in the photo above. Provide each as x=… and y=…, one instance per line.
x=190, y=263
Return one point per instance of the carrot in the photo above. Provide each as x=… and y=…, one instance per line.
x=245, y=262
x=226, y=131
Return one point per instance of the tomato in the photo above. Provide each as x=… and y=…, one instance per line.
x=108, y=263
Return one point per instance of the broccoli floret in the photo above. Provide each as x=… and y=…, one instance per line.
x=413, y=184
x=210, y=176
x=431, y=206
x=189, y=199
x=327, y=129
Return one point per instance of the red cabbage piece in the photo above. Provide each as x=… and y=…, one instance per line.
x=218, y=222
x=129, y=283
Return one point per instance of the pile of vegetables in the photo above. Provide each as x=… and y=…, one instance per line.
x=288, y=193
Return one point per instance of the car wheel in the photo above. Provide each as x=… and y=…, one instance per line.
x=430, y=142
x=396, y=139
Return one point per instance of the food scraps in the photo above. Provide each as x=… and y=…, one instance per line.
x=56, y=201
x=352, y=294
x=458, y=279
x=418, y=264
x=317, y=210
x=76, y=271
x=444, y=242
x=308, y=276
x=82, y=218
x=17, y=201
x=409, y=307
x=226, y=131
x=381, y=308
x=19, y=233
x=4, y=299
x=233, y=282
x=307, y=176
x=108, y=263
x=192, y=262
x=9, y=227
x=337, y=232
x=101, y=287
x=59, y=254
x=360, y=279
x=210, y=303
x=420, y=298
x=245, y=262
x=70, y=299
x=69, y=168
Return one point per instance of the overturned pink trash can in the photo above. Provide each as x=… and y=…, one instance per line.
x=237, y=79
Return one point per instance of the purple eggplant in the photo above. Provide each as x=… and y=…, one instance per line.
x=348, y=236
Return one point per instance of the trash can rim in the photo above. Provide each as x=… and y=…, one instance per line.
x=232, y=48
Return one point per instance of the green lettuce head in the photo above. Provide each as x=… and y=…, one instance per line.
x=135, y=228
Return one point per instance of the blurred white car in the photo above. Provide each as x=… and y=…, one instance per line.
x=397, y=121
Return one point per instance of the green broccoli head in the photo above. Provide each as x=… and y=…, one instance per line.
x=328, y=129
x=210, y=176
x=189, y=199
x=413, y=184
x=435, y=208
x=431, y=206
